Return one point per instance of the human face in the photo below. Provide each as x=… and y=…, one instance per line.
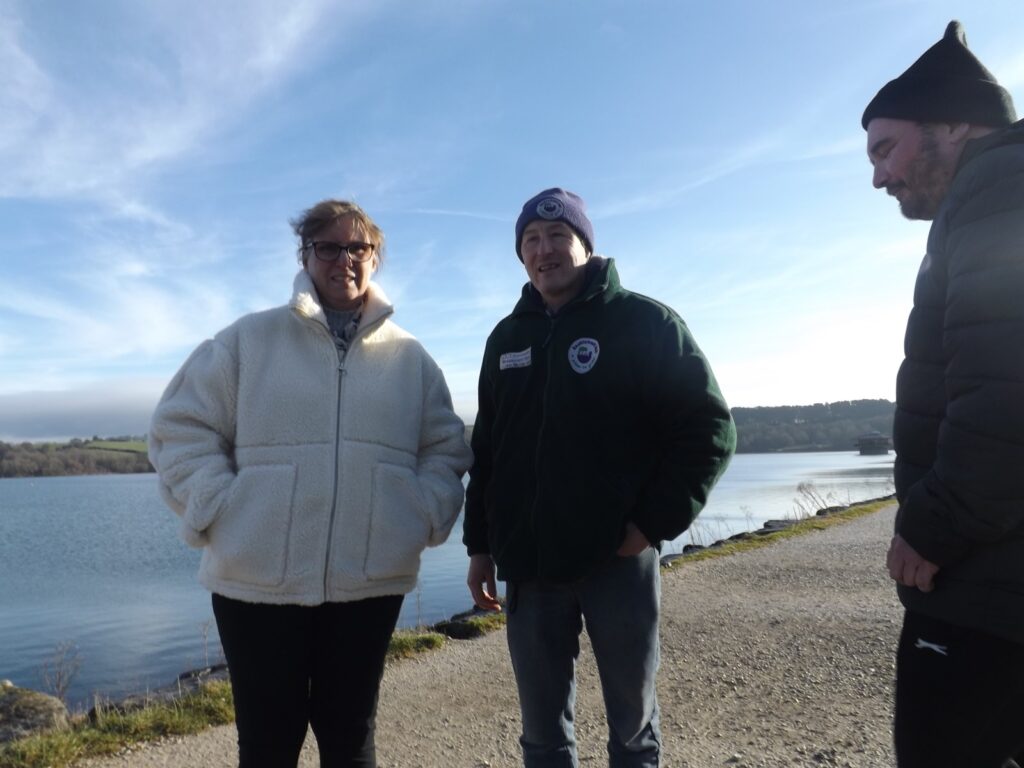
x=340, y=284
x=913, y=162
x=555, y=260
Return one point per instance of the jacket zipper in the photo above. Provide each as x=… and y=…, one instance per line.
x=553, y=320
x=540, y=434
x=337, y=469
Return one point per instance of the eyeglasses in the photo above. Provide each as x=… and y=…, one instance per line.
x=357, y=252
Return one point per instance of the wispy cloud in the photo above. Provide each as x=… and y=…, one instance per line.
x=460, y=214
x=733, y=161
x=25, y=90
x=95, y=137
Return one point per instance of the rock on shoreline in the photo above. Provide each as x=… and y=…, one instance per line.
x=24, y=712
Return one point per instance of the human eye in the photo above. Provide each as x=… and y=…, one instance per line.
x=359, y=250
x=327, y=251
x=881, y=150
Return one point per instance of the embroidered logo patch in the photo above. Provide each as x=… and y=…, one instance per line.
x=583, y=354
x=514, y=359
x=549, y=208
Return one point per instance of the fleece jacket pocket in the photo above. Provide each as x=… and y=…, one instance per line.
x=398, y=528
x=249, y=541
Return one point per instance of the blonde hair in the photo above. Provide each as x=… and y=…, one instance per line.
x=320, y=216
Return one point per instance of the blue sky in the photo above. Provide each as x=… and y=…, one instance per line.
x=153, y=153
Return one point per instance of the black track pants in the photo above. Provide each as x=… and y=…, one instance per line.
x=959, y=697
x=293, y=666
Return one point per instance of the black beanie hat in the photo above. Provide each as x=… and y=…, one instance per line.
x=947, y=84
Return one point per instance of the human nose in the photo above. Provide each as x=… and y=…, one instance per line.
x=880, y=177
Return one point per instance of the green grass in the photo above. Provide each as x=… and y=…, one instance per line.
x=487, y=623
x=112, y=732
x=132, y=446
x=409, y=642
x=799, y=528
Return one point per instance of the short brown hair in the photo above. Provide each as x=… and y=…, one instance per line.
x=320, y=216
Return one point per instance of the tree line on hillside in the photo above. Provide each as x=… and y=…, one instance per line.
x=73, y=458
x=818, y=427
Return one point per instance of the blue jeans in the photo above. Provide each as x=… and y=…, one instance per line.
x=620, y=605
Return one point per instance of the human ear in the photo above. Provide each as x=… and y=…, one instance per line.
x=958, y=132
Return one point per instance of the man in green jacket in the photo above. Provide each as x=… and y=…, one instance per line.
x=599, y=434
x=943, y=140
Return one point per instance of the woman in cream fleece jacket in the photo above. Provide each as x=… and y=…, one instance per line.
x=312, y=452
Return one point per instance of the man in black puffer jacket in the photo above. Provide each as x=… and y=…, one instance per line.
x=943, y=139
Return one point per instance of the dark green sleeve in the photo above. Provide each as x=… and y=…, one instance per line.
x=694, y=431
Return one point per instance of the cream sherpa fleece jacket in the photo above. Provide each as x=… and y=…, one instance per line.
x=303, y=478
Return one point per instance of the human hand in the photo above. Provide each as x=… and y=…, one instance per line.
x=482, y=582
x=634, y=542
x=908, y=568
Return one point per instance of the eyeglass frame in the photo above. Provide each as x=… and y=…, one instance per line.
x=342, y=248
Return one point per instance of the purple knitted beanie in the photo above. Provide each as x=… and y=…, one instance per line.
x=556, y=204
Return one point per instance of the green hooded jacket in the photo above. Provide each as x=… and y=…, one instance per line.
x=601, y=414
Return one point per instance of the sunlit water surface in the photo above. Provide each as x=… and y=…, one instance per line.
x=95, y=563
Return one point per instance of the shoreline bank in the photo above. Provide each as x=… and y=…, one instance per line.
x=782, y=655
x=777, y=656
x=467, y=625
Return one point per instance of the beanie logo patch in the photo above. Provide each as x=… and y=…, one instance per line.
x=549, y=208
x=583, y=354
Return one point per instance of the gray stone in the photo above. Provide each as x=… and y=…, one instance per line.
x=25, y=713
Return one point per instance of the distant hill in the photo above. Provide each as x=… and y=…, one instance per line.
x=115, y=455
x=818, y=427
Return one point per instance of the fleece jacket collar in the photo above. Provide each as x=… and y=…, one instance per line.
x=306, y=303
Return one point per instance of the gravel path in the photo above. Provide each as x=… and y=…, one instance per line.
x=778, y=657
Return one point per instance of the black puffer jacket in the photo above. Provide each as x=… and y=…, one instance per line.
x=603, y=414
x=959, y=427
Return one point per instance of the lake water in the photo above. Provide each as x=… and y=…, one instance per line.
x=95, y=562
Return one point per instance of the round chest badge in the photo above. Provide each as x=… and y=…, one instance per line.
x=550, y=208
x=583, y=354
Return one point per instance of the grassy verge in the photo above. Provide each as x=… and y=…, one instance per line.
x=798, y=528
x=409, y=642
x=113, y=732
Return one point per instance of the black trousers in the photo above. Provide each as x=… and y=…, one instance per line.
x=959, y=697
x=295, y=666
